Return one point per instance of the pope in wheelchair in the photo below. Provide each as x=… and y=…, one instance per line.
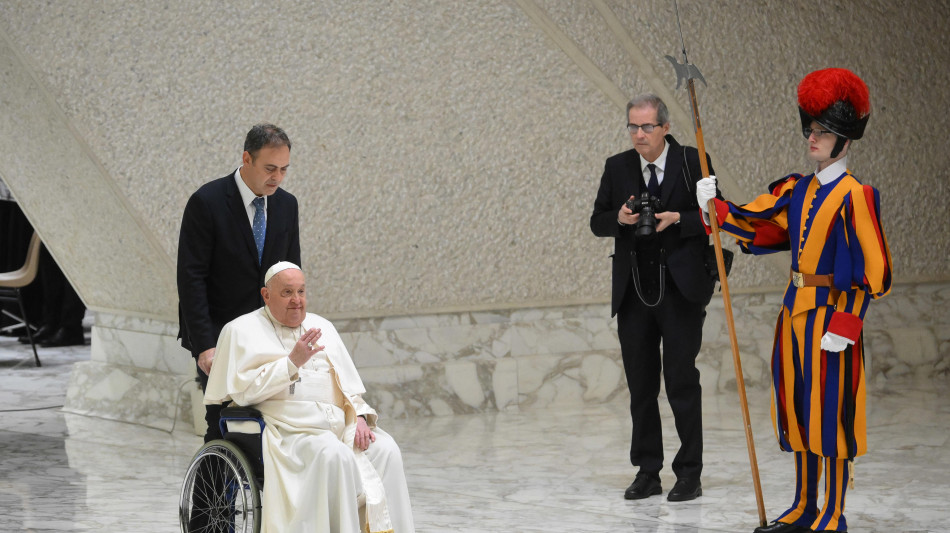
x=328, y=467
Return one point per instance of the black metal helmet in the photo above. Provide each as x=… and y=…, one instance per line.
x=837, y=99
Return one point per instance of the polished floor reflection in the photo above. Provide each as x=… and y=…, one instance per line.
x=540, y=471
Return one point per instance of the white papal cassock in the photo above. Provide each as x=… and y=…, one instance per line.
x=315, y=479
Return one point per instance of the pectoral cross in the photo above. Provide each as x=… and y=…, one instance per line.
x=294, y=385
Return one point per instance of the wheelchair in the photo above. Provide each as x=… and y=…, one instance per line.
x=223, y=483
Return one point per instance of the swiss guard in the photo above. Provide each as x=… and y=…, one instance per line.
x=831, y=223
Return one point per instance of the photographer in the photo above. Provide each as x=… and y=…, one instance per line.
x=647, y=203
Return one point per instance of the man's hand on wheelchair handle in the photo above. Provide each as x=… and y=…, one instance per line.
x=205, y=359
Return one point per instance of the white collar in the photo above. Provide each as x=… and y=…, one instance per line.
x=247, y=195
x=660, y=161
x=832, y=171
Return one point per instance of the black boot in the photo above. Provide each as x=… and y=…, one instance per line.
x=781, y=527
x=65, y=337
x=41, y=335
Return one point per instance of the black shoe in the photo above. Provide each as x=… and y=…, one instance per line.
x=41, y=335
x=781, y=527
x=65, y=337
x=644, y=486
x=685, y=489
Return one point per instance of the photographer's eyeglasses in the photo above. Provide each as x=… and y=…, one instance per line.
x=647, y=128
x=807, y=132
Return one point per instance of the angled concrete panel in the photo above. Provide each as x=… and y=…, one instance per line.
x=106, y=252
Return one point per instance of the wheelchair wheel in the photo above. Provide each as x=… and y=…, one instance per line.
x=220, y=492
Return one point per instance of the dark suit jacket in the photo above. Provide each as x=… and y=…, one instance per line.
x=683, y=243
x=218, y=275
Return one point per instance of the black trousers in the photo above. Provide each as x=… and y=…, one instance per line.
x=677, y=324
x=212, y=412
x=216, y=484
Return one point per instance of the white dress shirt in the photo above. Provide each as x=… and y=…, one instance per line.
x=248, y=196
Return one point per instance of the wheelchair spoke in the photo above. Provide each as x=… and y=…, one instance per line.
x=219, y=495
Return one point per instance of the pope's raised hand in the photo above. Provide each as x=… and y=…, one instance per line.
x=305, y=347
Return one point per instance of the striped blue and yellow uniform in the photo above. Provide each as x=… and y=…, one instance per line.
x=818, y=400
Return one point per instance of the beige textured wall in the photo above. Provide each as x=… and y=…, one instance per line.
x=446, y=154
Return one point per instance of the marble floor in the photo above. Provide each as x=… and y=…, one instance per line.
x=540, y=471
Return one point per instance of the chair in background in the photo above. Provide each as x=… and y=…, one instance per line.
x=12, y=282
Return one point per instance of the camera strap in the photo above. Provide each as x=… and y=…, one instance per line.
x=688, y=180
x=636, y=278
x=709, y=257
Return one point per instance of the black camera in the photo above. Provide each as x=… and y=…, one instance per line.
x=647, y=206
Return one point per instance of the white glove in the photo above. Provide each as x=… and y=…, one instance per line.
x=705, y=191
x=834, y=343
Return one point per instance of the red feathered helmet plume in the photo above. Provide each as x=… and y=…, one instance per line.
x=837, y=99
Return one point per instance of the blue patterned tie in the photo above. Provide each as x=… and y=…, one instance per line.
x=259, y=226
x=654, y=185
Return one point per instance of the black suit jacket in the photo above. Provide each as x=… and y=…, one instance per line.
x=683, y=244
x=218, y=275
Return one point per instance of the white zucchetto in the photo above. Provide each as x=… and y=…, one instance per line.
x=278, y=267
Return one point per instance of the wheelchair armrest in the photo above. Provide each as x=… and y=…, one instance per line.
x=238, y=415
x=237, y=411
